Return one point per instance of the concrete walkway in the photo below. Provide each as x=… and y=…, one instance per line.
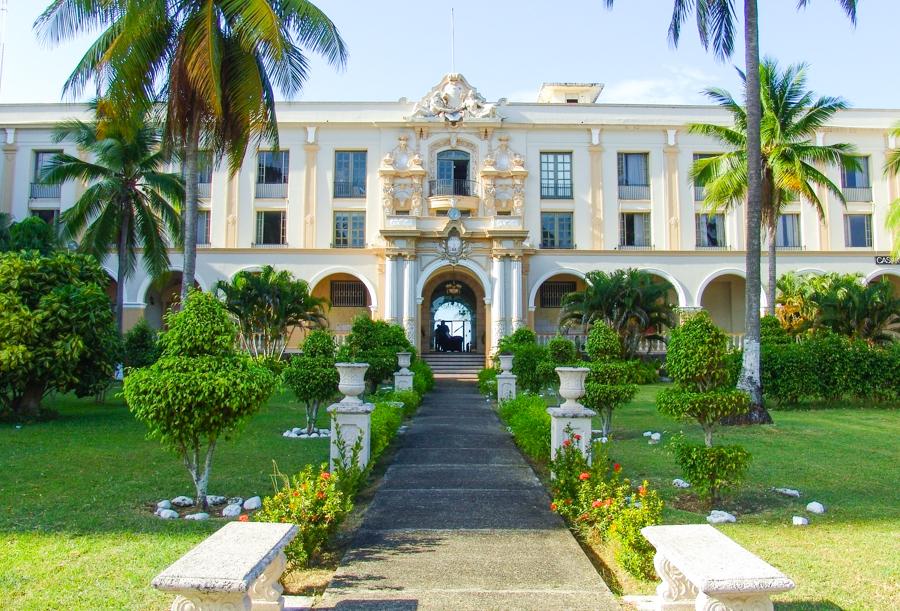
x=461, y=522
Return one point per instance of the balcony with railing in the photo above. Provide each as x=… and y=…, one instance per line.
x=42, y=191
x=443, y=187
x=349, y=189
x=857, y=194
x=634, y=247
x=204, y=190
x=634, y=192
x=699, y=193
x=557, y=190
x=277, y=190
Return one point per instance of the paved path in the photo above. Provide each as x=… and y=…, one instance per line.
x=461, y=522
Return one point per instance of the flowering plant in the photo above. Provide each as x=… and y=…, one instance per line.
x=311, y=499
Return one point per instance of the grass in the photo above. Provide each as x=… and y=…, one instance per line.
x=846, y=458
x=76, y=523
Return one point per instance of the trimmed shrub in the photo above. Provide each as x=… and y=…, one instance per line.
x=141, y=349
x=311, y=499
x=711, y=470
x=645, y=372
x=409, y=398
x=707, y=408
x=423, y=380
x=532, y=367
x=527, y=418
x=386, y=419
x=789, y=374
x=562, y=351
x=603, y=343
x=772, y=333
x=377, y=343
x=520, y=337
x=312, y=375
x=607, y=388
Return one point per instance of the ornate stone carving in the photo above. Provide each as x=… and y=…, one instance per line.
x=453, y=100
x=749, y=602
x=212, y=601
x=402, y=177
x=503, y=175
x=454, y=248
x=266, y=591
x=675, y=589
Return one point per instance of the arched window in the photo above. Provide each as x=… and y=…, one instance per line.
x=452, y=173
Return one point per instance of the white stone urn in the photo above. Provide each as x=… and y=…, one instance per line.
x=506, y=363
x=352, y=381
x=404, y=359
x=571, y=386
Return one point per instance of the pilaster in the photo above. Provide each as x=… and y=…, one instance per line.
x=9, y=171
x=673, y=203
x=515, y=287
x=409, y=299
x=498, y=302
x=390, y=291
x=596, y=154
x=308, y=207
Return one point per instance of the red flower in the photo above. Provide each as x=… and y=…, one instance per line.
x=584, y=476
x=642, y=490
x=577, y=437
x=320, y=495
x=583, y=517
x=325, y=475
x=568, y=501
x=617, y=467
x=607, y=502
x=296, y=493
x=567, y=443
x=244, y=518
x=552, y=506
x=597, y=503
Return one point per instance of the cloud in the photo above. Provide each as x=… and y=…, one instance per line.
x=678, y=85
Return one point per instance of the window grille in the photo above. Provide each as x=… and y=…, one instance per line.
x=348, y=294
x=553, y=292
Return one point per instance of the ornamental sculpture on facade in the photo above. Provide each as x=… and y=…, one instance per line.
x=503, y=176
x=453, y=100
x=402, y=177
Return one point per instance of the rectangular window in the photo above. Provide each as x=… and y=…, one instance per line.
x=204, y=167
x=350, y=173
x=271, y=228
x=42, y=161
x=272, y=174
x=556, y=175
x=203, y=220
x=855, y=181
x=699, y=187
x=556, y=230
x=710, y=230
x=349, y=229
x=48, y=216
x=634, y=175
x=553, y=292
x=348, y=294
x=634, y=230
x=858, y=230
x=787, y=233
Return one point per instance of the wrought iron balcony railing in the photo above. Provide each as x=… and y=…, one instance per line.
x=204, y=189
x=641, y=192
x=349, y=189
x=452, y=186
x=276, y=190
x=857, y=194
x=558, y=190
x=42, y=191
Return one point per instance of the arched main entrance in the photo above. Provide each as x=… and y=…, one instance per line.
x=453, y=313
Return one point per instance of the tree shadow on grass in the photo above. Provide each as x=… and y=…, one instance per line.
x=808, y=605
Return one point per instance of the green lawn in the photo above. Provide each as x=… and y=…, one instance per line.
x=847, y=459
x=76, y=528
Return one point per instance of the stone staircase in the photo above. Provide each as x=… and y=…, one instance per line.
x=455, y=365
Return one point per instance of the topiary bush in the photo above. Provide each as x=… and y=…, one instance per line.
x=377, y=343
x=532, y=367
x=603, y=343
x=201, y=390
x=697, y=359
x=386, y=419
x=423, y=378
x=141, y=346
x=771, y=332
x=562, y=351
x=312, y=375
x=711, y=470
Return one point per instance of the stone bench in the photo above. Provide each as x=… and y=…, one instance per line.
x=703, y=569
x=238, y=567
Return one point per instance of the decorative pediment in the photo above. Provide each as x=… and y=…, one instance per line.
x=503, y=161
x=454, y=100
x=402, y=160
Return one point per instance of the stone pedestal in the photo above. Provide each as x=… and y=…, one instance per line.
x=506, y=386
x=571, y=418
x=351, y=419
x=506, y=380
x=403, y=379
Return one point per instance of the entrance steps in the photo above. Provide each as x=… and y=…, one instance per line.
x=455, y=365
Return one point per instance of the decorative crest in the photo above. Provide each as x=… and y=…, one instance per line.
x=454, y=248
x=454, y=99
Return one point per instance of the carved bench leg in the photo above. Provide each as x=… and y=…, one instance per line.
x=675, y=591
x=213, y=601
x=266, y=591
x=739, y=602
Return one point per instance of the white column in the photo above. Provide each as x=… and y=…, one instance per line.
x=498, y=303
x=409, y=299
x=390, y=292
x=515, y=287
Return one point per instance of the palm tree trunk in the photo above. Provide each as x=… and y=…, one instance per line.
x=773, y=276
x=750, y=378
x=189, y=265
x=122, y=255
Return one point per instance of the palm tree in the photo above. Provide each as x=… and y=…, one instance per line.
x=267, y=306
x=130, y=200
x=716, y=26
x=892, y=168
x=217, y=63
x=790, y=119
x=631, y=301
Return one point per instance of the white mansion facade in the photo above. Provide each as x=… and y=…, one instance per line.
x=400, y=208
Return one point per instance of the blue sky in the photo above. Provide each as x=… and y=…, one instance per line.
x=507, y=49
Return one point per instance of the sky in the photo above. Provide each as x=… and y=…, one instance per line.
x=507, y=49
